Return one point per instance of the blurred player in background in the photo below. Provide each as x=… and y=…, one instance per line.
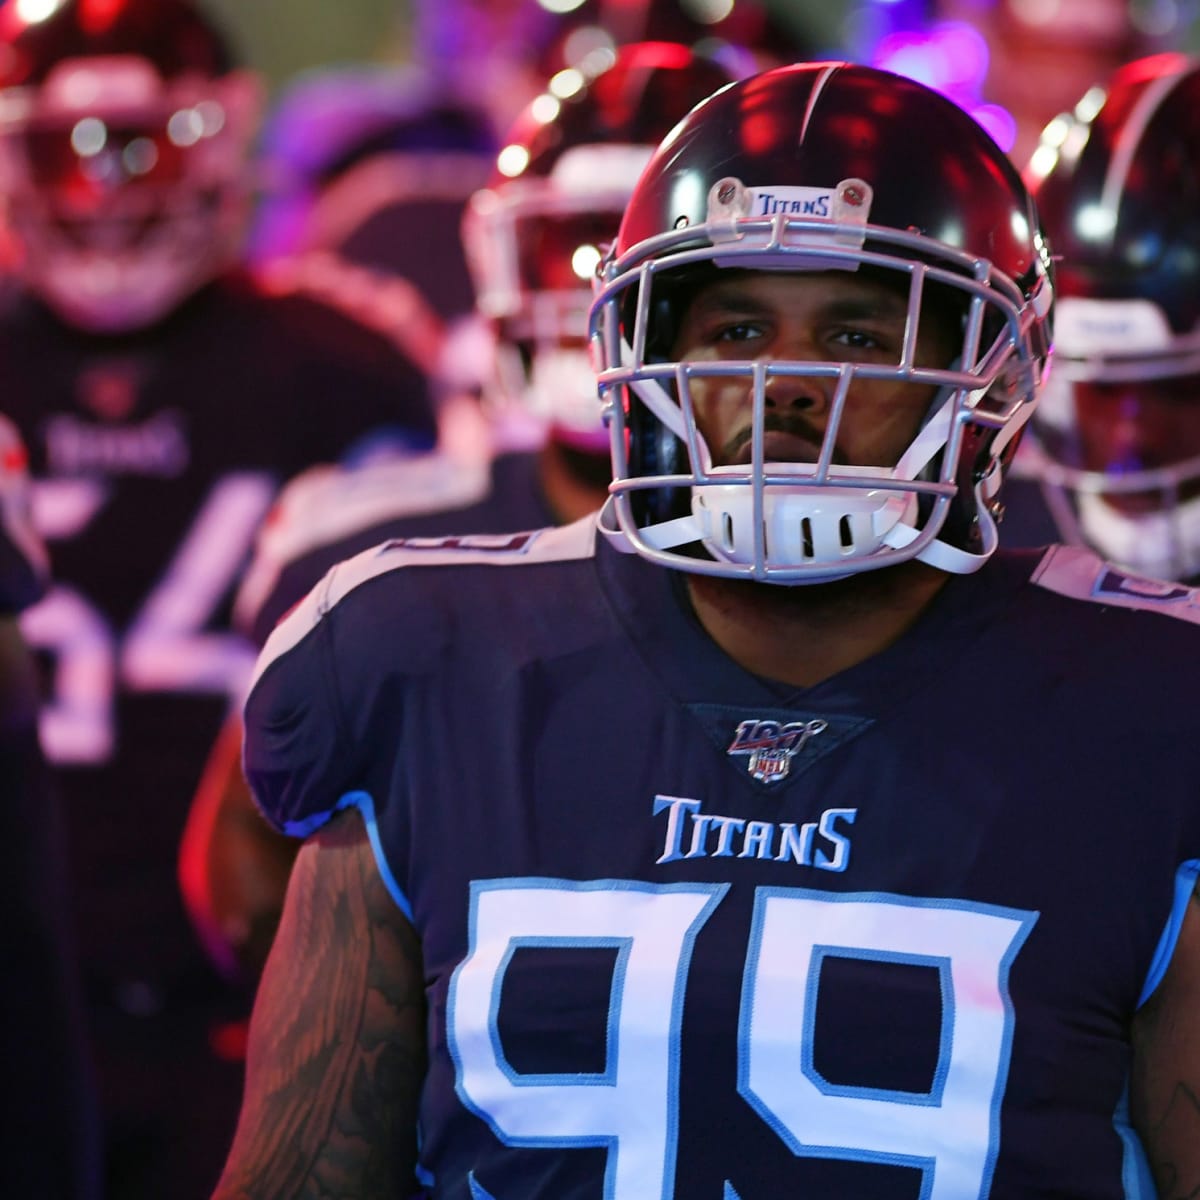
x=49, y=1141
x=164, y=396
x=369, y=167
x=497, y=54
x=1115, y=452
x=355, y=159
x=533, y=238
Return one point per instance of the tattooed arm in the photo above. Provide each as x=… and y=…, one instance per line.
x=337, y=1038
x=1165, y=1086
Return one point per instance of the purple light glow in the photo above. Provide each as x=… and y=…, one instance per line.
x=951, y=58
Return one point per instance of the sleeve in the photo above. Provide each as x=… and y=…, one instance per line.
x=296, y=755
x=325, y=705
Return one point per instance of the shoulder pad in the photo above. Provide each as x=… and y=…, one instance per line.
x=327, y=504
x=1079, y=574
x=535, y=547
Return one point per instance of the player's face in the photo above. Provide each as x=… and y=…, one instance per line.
x=831, y=316
x=1138, y=426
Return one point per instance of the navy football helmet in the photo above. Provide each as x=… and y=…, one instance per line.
x=535, y=234
x=1118, y=433
x=124, y=130
x=824, y=167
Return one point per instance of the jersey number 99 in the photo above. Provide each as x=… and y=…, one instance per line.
x=631, y=1107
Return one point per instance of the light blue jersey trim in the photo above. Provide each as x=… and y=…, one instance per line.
x=1136, y=1181
x=365, y=804
x=478, y=1191
x=1185, y=885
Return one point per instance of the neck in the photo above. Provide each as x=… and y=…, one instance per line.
x=803, y=635
x=574, y=482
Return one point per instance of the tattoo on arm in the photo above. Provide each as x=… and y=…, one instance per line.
x=1180, y=1122
x=337, y=1039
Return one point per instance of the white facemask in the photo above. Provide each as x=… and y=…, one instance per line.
x=1164, y=544
x=562, y=388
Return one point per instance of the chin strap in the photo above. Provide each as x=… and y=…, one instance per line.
x=942, y=555
x=925, y=447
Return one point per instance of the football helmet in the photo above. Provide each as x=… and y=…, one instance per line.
x=535, y=234
x=124, y=130
x=1117, y=437
x=823, y=167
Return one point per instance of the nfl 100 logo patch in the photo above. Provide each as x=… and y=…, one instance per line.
x=771, y=745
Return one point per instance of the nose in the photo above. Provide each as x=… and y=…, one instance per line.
x=796, y=393
x=796, y=341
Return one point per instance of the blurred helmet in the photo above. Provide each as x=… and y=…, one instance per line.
x=124, y=131
x=1117, y=182
x=747, y=34
x=809, y=168
x=355, y=159
x=535, y=235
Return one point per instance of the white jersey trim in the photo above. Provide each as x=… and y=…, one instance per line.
x=326, y=504
x=561, y=544
x=1078, y=574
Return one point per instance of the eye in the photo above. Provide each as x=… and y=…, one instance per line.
x=858, y=339
x=738, y=331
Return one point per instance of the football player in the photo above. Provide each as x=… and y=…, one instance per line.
x=1117, y=445
x=164, y=395
x=762, y=836
x=533, y=238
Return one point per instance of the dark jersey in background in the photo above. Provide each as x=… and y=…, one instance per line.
x=49, y=1138
x=155, y=457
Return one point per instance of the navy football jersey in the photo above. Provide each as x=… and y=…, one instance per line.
x=155, y=456
x=691, y=933
x=331, y=513
x=48, y=1144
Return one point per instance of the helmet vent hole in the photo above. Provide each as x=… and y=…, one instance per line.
x=806, y=537
x=727, y=531
x=846, y=534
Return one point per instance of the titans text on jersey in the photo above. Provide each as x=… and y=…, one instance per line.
x=887, y=970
